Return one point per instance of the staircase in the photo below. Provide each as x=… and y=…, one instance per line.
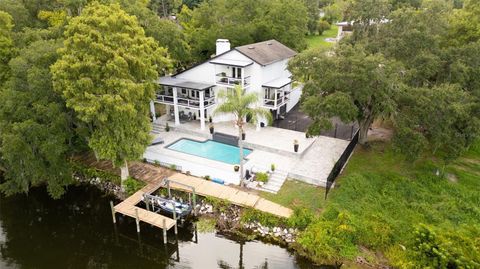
x=275, y=181
x=158, y=128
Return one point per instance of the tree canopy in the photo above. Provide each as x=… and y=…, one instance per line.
x=35, y=134
x=350, y=84
x=244, y=22
x=107, y=75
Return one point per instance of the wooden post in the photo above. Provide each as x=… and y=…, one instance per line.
x=175, y=217
x=147, y=201
x=168, y=188
x=113, y=212
x=194, y=203
x=336, y=126
x=164, y=231
x=190, y=199
x=137, y=220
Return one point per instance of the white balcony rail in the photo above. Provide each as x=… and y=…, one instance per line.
x=270, y=103
x=231, y=81
x=186, y=102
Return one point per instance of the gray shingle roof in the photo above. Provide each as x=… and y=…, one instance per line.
x=266, y=52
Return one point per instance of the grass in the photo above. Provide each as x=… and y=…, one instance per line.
x=298, y=194
x=318, y=41
x=387, y=199
x=381, y=200
x=206, y=225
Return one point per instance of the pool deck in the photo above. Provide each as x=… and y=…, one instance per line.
x=312, y=164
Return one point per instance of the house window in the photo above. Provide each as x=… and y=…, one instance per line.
x=236, y=72
x=184, y=91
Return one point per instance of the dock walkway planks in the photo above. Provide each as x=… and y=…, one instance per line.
x=235, y=196
x=153, y=176
x=127, y=208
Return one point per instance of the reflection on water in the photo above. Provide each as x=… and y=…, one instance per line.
x=77, y=232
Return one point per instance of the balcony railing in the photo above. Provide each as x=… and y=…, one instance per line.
x=270, y=103
x=185, y=102
x=230, y=81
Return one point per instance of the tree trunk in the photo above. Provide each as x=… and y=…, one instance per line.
x=240, y=145
x=124, y=174
x=364, y=125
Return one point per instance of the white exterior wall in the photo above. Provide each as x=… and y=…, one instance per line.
x=259, y=75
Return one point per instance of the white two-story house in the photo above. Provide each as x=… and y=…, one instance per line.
x=260, y=68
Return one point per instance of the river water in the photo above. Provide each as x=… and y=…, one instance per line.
x=76, y=231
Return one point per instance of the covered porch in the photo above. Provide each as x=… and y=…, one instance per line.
x=185, y=100
x=276, y=95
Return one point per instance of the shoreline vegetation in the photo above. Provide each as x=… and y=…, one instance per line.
x=358, y=223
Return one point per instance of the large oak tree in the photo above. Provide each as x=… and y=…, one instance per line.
x=107, y=75
x=348, y=83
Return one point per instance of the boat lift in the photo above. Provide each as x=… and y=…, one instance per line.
x=166, y=182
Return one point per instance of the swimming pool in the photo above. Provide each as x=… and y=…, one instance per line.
x=210, y=149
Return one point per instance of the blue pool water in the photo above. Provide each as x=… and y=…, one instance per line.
x=210, y=149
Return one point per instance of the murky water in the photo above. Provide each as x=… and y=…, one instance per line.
x=77, y=232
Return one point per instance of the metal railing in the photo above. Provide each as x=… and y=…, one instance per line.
x=186, y=102
x=226, y=80
x=271, y=102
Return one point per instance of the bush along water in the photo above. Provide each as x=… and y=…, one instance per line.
x=106, y=181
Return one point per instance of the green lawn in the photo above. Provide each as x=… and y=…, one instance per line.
x=381, y=200
x=316, y=41
x=298, y=194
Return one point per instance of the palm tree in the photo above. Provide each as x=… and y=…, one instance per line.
x=242, y=105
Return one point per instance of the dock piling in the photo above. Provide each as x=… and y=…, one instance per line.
x=147, y=202
x=164, y=232
x=175, y=217
x=194, y=202
x=113, y=212
x=137, y=220
x=169, y=191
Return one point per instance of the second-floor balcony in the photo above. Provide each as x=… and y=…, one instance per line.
x=185, y=101
x=273, y=103
x=223, y=79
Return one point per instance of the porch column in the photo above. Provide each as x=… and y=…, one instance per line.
x=242, y=76
x=152, y=110
x=202, y=110
x=275, y=101
x=175, y=106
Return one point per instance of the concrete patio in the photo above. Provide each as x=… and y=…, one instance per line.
x=312, y=164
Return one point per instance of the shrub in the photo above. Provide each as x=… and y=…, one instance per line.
x=301, y=218
x=272, y=167
x=207, y=177
x=266, y=219
x=322, y=26
x=218, y=204
x=262, y=177
x=132, y=185
x=173, y=167
x=329, y=241
x=90, y=172
x=167, y=127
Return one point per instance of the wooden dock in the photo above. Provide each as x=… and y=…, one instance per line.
x=128, y=208
x=154, y=176
x=233, y=195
